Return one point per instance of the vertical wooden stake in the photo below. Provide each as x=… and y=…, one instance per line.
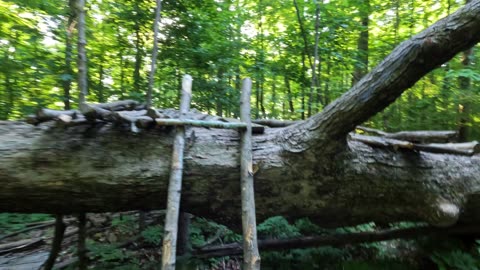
x=82, y=236
x=251, y=256
x=56, y=243
x=184, y=221
x=175, y=184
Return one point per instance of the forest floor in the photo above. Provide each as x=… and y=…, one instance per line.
x=114, y=242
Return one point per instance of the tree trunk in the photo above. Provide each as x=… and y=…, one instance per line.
x=251, y=256
x=361, y=67
x=101, y=88
x=314, y=84
x=151, y=78
x=464, y=107
x=82, y=53
x=67, y=79
x=273, y=110
x=138, y=50
x=305, y=56
x=308, y=169
x=291, y=109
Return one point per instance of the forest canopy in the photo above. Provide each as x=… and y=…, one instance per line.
x=113, y=153
x=301, y=55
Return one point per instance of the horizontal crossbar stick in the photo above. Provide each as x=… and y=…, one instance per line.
x=200, y=123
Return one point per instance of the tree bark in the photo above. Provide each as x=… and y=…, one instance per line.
x=151, y=77
x=56, y=242
x=137, y=78
x=303, y=170
x=315, y=83
x=251, y=256
x=67, y=79
x=169, y=247
x=361, y=67
x=464, y=108
x=82, y=52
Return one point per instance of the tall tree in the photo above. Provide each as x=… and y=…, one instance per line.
x=305, y=56
x=464, y=106
x=68, y=71
x=315, y=84
x=361, y=66
x=137, y=77
x=151, y=78
x=82, y=52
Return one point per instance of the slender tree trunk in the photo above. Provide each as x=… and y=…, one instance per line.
x=396, y=26
x=251, y=256
x=56, y=242
x=81, y=246
x=289, y=94
x=101, y=88
x=220, y=94
x=183, y=245
x=158, y=10
x=259, y=64
x=169, y=247
x=67, y=80
x=257, y=99
x=361, y=67
x=12, y=91
x=326, y=93
x=138, y=51
x=82, y=53
x=464, y=107
x=122, y=78
x=122, y=63
x=262, y=95
x=8, y=88
x=303, y=85
x=273, y=110
x=314, y=84
x=305, y=56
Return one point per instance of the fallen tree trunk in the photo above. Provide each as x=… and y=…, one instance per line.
x=102, y=168
x=304, y=170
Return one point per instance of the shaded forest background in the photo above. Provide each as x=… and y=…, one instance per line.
x=301, y=55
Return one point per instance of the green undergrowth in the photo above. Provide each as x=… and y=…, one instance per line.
x=11, y=222
x=424, y=253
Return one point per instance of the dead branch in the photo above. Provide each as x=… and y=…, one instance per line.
x=336, y=240
x=20, y=245
x=421, y=136
x=273, y=123
x=466, y=149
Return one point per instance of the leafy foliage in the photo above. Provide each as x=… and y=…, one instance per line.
x=153, y=234
x=111, y=257
x=125, y=224
x=219, y=42
x=10, y=222
x=455, y=259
